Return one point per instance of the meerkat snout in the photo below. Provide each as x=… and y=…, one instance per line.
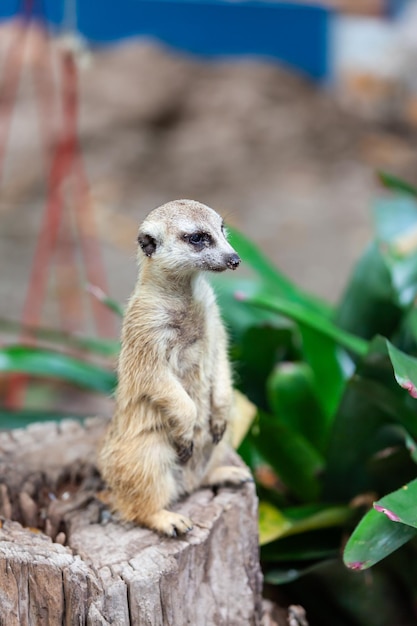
x=233, y=261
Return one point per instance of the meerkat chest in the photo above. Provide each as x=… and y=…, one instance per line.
x=189, y=339
x=187, y=326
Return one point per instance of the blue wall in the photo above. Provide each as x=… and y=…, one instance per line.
x=295, y=34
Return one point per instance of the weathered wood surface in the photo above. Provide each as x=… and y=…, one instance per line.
x=94, y=570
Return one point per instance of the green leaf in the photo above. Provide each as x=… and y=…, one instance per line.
x=396, y=184
x=238, y=318
x=394, y=409
x=10, y=419
x=405, y=369
x=272, y=523
x=252, y=256
x=326, y=360
x=294, y=459
x=374, y=538
x=293, y=400
x=275, y=523
x=316, y=517
x=371, y=401
x=366, y=407
x=315, y=321
x=45, y=363
x=368, y=306
x=400, y=505
x=260, y=348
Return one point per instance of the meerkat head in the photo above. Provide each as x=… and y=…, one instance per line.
x=185, y=236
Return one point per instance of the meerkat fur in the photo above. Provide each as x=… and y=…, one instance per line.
x=174, y=395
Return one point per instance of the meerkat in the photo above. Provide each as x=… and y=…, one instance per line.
x=174, y=394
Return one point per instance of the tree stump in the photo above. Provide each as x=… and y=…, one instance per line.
x=65, y=560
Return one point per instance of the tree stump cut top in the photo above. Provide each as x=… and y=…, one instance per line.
x=65, y=560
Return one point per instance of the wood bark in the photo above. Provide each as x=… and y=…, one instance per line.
x=65, y=560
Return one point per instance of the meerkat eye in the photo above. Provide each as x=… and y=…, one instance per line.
x=200, y=239
x=196, y=238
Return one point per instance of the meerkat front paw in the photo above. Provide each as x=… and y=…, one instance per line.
x=217, y=429
x=169, y=523
x=184, y=450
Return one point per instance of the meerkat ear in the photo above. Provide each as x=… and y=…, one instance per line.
x=147, y=243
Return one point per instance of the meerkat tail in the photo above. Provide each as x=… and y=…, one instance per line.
x=227, y=475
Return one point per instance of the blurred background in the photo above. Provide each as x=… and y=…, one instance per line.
x=278, y=115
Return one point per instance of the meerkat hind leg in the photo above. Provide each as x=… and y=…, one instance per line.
x=227, y=475
x=150, y=486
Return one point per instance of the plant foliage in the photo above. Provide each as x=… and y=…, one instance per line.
x=333, y=447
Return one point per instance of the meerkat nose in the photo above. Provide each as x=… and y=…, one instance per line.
x=233, y=261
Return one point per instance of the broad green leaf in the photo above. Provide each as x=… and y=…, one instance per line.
x=275, y=523
x=315, y=517
x=272, y=523
x=405, y=369
x=393, y=407
x=368, y=306
x=293, y=400
x=261, y=347
x=20, y=419
x=45, y=363
x=294, y=459
x=326, y=359
x=396, y=184
x=282, y=286
x=374, y=538
x=239, y=318
x=400, y=505
x=310, y=319
x=372, y=401
x=407, y=337
x=365, y=409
